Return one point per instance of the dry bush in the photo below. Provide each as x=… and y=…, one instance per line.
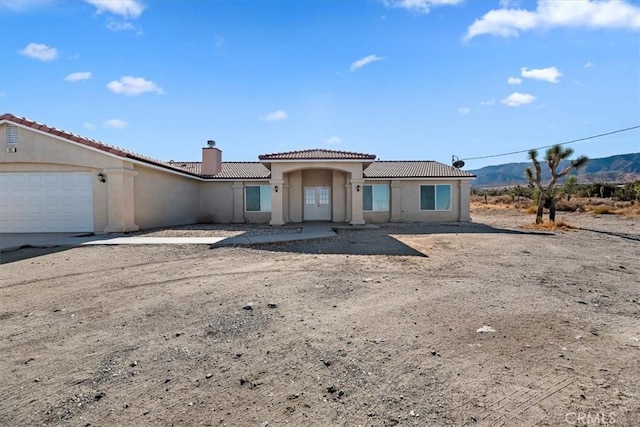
x=601, y=210
x=570, y=205
x=559, y=225
x=632, y=210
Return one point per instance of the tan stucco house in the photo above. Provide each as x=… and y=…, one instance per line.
x=55, y=181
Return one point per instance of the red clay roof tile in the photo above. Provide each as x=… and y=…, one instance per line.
x=317, y=154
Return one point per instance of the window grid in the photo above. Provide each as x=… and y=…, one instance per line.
x=323, y=196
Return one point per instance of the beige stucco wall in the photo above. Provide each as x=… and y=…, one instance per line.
x=223, y=202
x=163, y=199
x=410, y=203
x=216, y=202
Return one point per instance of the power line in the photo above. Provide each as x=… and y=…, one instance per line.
x=548, y=146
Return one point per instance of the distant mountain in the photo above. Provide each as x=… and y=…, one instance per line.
x=619, y=169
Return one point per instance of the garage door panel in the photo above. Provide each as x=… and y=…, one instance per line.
x=46, y=202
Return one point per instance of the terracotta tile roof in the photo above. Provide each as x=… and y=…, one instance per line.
x=317, y=154
x=230, y=170
x=413, y=169
x=121, y=152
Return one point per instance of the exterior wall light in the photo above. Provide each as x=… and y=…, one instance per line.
x=358, y=188
x=276, y=188
x=101, y=177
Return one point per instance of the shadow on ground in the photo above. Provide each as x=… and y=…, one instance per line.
x=381, y=241
x=28, y=252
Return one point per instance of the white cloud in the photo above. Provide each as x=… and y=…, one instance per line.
x=555, y=14
x=420, y=6
x=488, y=102
x=40, y=51
x=464, y=110
x=117, y=26
x=549, y=74
x=115, y=124
x=514, y=80
x=364, y=61
x=275, y=116
x=129, y=85
x=332, y=140
x=76, y=77
x=125, y=8
x=88, y=126
x=589, y=64
x=517, y=99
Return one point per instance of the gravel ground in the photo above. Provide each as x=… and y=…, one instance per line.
x=375, y=327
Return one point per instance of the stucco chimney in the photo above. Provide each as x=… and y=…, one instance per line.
x=211, y=159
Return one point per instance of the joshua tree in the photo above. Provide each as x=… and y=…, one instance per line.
x=553, y=157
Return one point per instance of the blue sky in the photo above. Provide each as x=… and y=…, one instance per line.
x=402, y=79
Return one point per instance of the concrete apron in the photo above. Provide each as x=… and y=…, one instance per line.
x=14, y=241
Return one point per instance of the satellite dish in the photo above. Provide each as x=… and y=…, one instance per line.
x=457, y=163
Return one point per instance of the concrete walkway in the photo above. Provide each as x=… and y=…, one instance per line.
x=308, y=232
x=12, y=242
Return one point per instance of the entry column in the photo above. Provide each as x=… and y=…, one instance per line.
x=277, y=208
x=357, y=216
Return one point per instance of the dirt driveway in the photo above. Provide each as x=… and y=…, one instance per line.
x=376, y=327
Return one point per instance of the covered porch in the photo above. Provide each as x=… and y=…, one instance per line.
x=323, y=186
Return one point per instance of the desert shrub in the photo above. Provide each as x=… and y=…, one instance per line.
x=503, y=199
x=597, y=190
x=602, y=210
x=622, y=204
x=572, y=205
x=535, y=195
x=628, y=192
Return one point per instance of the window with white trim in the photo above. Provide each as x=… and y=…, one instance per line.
x=257, y=198
x=375, y=198
x=435, y=197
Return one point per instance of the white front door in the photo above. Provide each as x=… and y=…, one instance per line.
x=317, y=203
x=33, y=202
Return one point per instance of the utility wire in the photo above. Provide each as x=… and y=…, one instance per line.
x=548, y=146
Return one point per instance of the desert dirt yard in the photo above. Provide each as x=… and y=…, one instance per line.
x=371, y=328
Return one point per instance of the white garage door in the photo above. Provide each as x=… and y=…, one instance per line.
x=46, y=202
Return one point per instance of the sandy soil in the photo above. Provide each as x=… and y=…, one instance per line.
x=375, y=327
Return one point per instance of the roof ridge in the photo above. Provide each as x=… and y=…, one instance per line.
x=294, y=154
